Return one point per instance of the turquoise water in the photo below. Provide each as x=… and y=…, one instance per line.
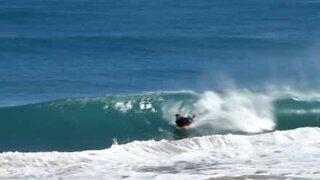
x=73, y=74
x=97, y=123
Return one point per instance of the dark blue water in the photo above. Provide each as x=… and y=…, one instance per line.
x=60, y=49
x=52, y=50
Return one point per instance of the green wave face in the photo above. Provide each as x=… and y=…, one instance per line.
x=80, y=124
x=96, y=123
x=291, y=113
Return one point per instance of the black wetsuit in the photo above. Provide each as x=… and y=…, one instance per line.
x=183, y=121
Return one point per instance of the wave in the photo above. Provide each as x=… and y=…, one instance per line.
x=96, y=123
x=197, y=157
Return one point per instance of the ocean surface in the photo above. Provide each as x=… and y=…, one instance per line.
x=89, y=89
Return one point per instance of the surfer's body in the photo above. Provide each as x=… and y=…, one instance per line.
x=184, y=122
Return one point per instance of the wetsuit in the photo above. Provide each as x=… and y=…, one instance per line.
x=183, y=121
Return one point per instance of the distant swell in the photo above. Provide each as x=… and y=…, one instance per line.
x=96, y=123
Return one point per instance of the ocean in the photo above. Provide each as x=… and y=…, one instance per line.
x=90, y=89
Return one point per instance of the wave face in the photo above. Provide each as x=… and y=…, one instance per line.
x=96, y=123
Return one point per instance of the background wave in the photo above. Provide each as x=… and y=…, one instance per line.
x=95, y=123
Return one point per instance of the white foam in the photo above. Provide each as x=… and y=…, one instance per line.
x=146, y=104
x=294, y=153
x=235, y=110
x=301, y=111
x=123, y=107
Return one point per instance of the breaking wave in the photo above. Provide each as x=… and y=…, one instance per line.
x=98, y=122
x=198, y=157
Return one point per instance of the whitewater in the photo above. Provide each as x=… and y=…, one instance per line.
x=238, y=134
x=289, y=154
x=96, y=122
x=89, y=89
